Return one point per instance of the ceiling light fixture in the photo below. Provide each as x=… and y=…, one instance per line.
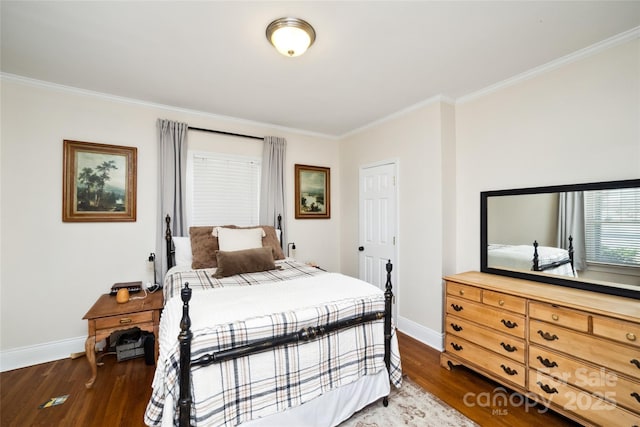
x=291, y=36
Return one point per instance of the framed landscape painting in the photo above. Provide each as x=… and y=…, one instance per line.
x=99, y=182
x=312, y=193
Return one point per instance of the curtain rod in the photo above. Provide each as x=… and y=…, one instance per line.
x=226, y=133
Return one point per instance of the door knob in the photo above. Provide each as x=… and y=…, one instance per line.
x=361, y=248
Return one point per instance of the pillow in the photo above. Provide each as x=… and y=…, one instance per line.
x=182, y=246
x=270, y=239
x=237, y=239
x=243, y=261
x=203, y=247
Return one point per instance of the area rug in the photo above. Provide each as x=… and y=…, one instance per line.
x=409, y=406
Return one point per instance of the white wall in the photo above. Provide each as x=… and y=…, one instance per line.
x=575, y=124
x=416, y=141
x=52, y=272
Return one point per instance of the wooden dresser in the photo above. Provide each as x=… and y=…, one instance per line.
x=577, y=352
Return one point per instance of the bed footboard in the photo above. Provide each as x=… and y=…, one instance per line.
x=307, y=334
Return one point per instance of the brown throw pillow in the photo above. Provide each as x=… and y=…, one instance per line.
x=203, y=247
x=244, y=261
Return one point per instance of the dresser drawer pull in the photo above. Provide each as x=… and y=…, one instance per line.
x=509, y=324
x=456, y=347
x=508, y=347
x=635, y=362
x=461, y=291
x=546, y=388
x=456, y=328
x=548, y=336
x=631, y=337
x=547, y=362
x=457, y=307
x=125, y=320
x=501, y=302
x=555, y=317
x=508, y=370
x=636, y=395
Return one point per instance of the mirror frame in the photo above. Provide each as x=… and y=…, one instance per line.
x=600, y=287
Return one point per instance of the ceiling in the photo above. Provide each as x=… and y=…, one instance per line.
x=370, y=59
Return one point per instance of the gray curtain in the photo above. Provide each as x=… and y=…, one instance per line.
x=571, y=223
x=272, y=183
x=172, y=155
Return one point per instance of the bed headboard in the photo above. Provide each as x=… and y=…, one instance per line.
x=171, y=250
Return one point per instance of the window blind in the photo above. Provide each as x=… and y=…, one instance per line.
x=612, y=226
x=225, y=189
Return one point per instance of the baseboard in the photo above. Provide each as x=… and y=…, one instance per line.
x=423, y=334
x=22, y=357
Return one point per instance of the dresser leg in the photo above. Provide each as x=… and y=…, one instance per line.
x=90, y=351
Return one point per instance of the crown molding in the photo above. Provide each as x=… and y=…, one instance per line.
x=105, y=96
x=603, y=45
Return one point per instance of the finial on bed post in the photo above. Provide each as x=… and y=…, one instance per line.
x=388, y=300
x=571, y=254
x=184, y=338
x=280, y=228
x=536, y=266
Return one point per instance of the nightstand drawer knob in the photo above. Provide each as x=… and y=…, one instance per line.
x=125, y=320
x=631, y=337
x=501, y=302
x=555, y=317
x=461, y=292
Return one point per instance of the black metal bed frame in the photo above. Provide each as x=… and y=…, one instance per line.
x=543, y=267
x=304, y=335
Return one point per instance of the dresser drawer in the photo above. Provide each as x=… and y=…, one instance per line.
x=508, y=302
x=500, y=320
x=503, y=344
x=566, y=317
x=618, y=330
x=595, y=379
x=124, y=320
x=579, y=402
x=500, y=366
x=463, y=291
x=617, y=357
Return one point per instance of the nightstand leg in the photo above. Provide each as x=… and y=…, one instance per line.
x=90, y=351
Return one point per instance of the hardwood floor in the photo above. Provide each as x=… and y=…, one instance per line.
x=121, y=391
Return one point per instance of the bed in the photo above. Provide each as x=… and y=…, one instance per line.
x=546, y=259
x=291, y=345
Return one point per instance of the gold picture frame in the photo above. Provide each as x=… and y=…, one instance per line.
x=312, y=192
x=99, y=182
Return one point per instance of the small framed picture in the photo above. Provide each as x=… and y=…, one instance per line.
x=312, y=192
x=99, y=182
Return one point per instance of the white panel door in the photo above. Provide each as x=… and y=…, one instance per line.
x=377, y=223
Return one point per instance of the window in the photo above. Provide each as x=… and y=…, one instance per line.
x=223, y=189
x=612, y=226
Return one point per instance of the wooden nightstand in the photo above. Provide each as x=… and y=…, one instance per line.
x=107, y=316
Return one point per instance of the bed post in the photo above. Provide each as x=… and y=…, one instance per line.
x=536, y=266
x=169, y=242
x=185, y=359
x=571, y=254
x=388, y=300
x=280, y=228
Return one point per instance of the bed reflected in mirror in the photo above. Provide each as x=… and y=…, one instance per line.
x=585, y=236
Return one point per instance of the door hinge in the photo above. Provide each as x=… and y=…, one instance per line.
x=394, y=240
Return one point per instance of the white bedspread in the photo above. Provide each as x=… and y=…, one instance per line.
x=520, y=257
x=300, y=302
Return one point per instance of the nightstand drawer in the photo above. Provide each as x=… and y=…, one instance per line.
x=124, y=320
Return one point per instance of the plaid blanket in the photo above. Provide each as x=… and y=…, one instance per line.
x=203, y=279
x=228, y=393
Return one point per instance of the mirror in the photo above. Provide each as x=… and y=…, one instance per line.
x=584, y=236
